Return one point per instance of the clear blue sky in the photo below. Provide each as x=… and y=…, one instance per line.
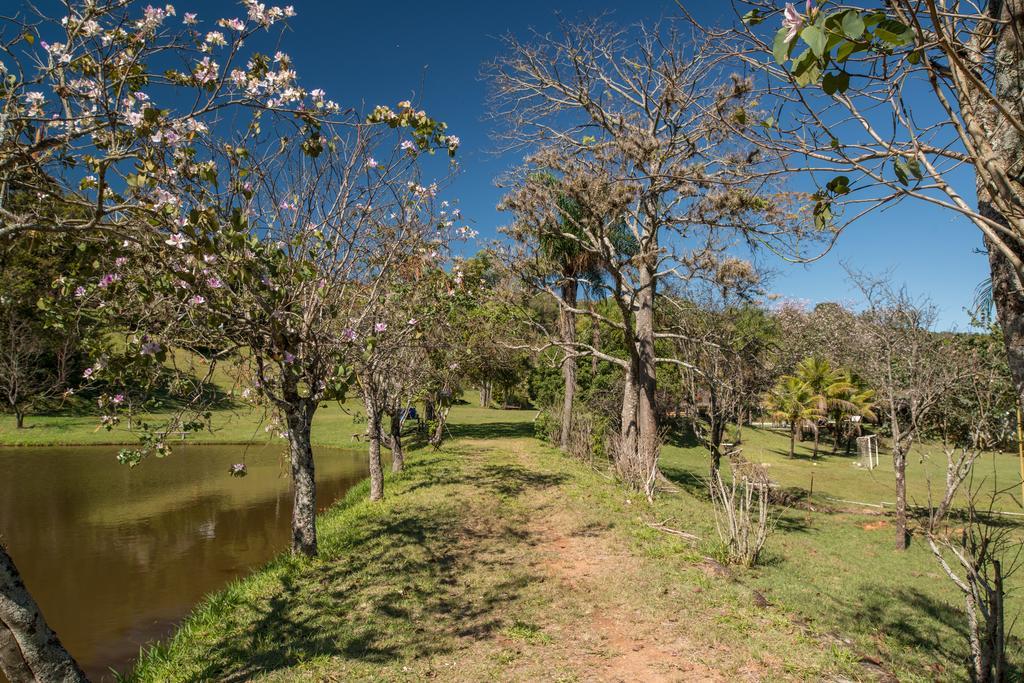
x=383, y=52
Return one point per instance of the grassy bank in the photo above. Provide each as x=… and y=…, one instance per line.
x=493, y=559
x=499, y=558
x=334, y=425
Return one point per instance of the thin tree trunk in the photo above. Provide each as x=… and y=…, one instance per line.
x=29, y=649
x=899, y=465
x=627, y=446
x=300, y=421
x=567, y=323
x=19, y=419
x=817, y=432
x=595, y=338
x=397, y=451
x=373, y=432
x=792, y=440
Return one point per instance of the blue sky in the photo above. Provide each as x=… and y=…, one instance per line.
x=383, y=52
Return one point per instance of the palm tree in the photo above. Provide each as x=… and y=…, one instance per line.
x=863, y=406
x=563, y=244
x=793, y=400
x=831, y=387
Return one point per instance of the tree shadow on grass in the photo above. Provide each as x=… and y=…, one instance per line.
x=492, y=430
x=413, y=583
x=503, y=480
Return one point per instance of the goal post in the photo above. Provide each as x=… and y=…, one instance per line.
x=867, y=450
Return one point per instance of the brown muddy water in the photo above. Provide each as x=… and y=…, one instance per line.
x=117, y=556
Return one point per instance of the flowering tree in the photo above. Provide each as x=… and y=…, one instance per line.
x=881, y=105
x=237, y=210
x=396, y=342
x=633, y=124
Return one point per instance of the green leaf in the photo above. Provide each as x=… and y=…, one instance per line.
x=853, y=25
x=833, y=83
x=839, y=185
x=847, y=49
x=895, y=33
x=806, y=69
x=768, y=122
x=906, y=169
x=914, y=57
x=781, y=47
x=29, y=38
x=815, y=39
x=753, y=17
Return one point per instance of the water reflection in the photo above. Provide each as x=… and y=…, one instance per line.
x=116, y=557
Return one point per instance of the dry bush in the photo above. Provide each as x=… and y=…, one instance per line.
x=742, y=510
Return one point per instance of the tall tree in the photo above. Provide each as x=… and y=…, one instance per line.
x=631, y=122
x=889, y=104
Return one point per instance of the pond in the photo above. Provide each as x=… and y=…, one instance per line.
x=117, y=556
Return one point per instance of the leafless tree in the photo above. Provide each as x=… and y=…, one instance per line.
x=631, y=122
x=911, y=368
x=976, y=552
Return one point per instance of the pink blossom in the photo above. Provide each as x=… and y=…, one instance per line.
x=413, y=321
x=197, y=300
x=150, y=348
x=372, y=163
x=235, y=24
x=408, y=146
x=348, y=334
x=190, y=19
x=380, y=327
x=214, y=283
x=792, y=20
x=120, y=261
x=87, y=373
x=118, y=399
x=109, y=279
x=176, y=240
x=288, y=358
x=79, y=291
x=206, y=71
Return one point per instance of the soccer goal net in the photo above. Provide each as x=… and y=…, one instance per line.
x=867, y=449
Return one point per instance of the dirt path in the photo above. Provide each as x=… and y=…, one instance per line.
x=602, y=622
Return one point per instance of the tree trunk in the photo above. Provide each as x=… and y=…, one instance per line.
x=899, y=465
x=649, y=444
x=373, y=432
x=817, y=432
x=29, y=649
x=625, y=454
x=19, y=418
x=1008, y=144
x=595, y=338
x=397, y=452
x=300, y=421
x=567, y=323
x=792, y=440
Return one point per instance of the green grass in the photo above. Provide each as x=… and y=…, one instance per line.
x=332, y=426
x=441, y=579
